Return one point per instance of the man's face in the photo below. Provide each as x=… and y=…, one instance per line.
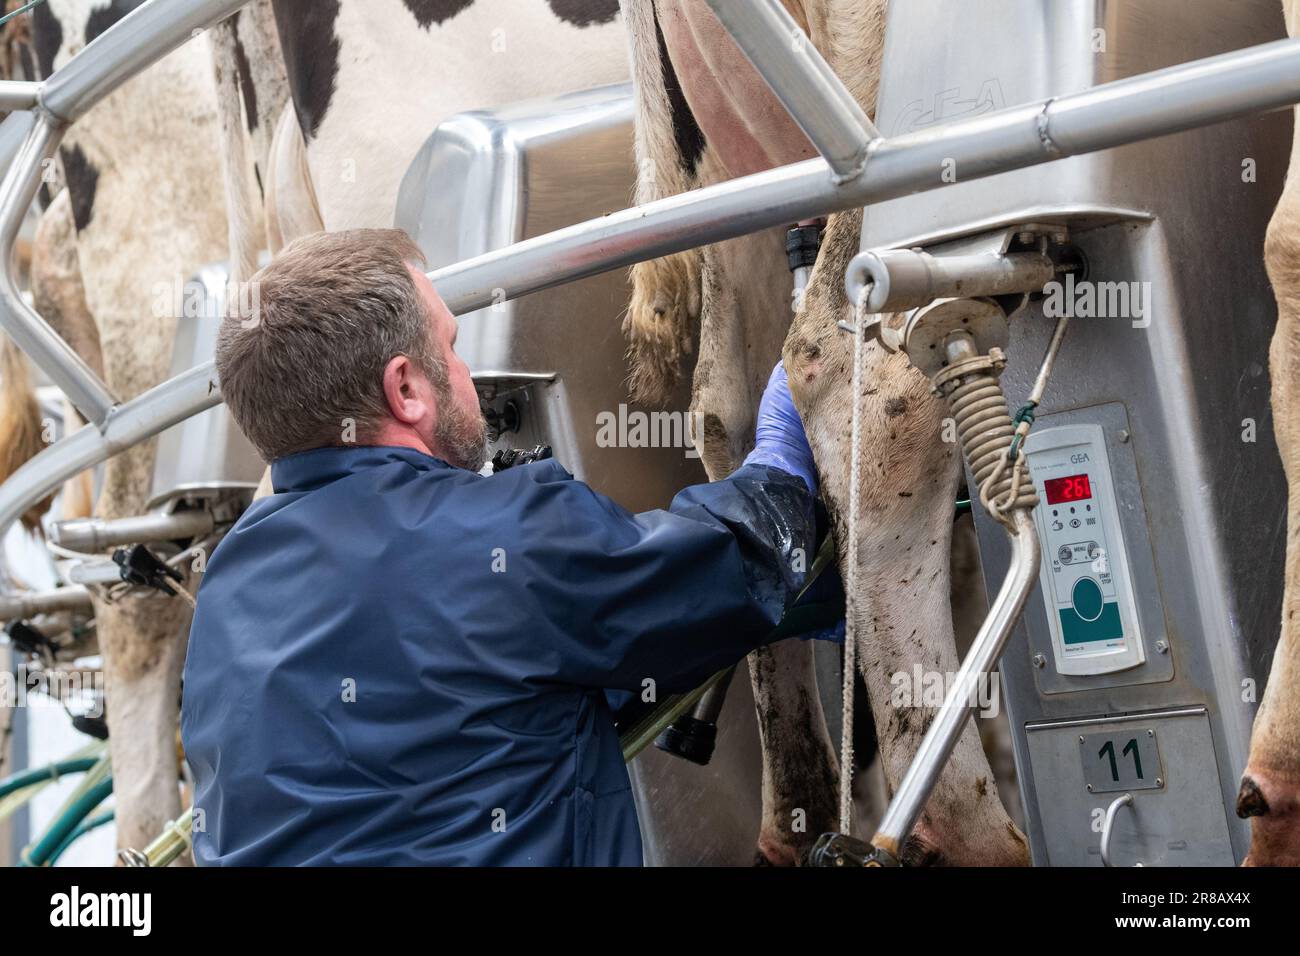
x=458, y=432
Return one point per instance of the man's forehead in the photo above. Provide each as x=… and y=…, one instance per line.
x=441, y=314
x=421, y=279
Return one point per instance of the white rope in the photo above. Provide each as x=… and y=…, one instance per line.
x=851, y=578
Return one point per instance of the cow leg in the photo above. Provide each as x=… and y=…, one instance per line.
x=142, y=639
x=1270, y=786
x=900, y=607
x=738, y=293
x=166, y=117
x=800, y=770
x=741, y=328
x=745, y=313
x=664, y=308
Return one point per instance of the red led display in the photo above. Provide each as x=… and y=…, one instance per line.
x=1073, y=488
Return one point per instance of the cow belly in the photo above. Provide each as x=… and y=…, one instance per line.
x=742, y=120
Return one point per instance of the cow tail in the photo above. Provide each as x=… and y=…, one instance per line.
x=244, y=212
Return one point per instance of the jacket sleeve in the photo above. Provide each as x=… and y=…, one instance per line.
x=665, y=596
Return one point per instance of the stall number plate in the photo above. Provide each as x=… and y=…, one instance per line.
x=1121, y=761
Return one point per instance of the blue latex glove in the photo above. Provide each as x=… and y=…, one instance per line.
x=779, y=438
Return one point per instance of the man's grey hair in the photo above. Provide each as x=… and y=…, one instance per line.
x=306, y=369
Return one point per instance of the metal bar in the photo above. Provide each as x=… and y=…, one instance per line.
x=801, y=79
x=13, y=133
x=24, y=605
x=129, y=424
x=1259, y=78
x=1193, y=711
x=97, y=534
x=127, y=48
x=30, y=333
x=903, y=279
x=18, y=94
x=932, y=756
x=102, y=571
x=1108, y=827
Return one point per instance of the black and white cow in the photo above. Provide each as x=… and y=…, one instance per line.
x=144, y=208
x=370, y=79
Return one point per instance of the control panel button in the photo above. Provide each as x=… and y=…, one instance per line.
x=1087, y=599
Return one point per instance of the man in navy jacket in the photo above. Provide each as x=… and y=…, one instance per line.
x=396, y=660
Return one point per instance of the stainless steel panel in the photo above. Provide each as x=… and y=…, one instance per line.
x=1000, y=53
x=1185, y=214
x=205, y=455
x=1181, y=823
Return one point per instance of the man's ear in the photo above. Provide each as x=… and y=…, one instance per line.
x=407, y=401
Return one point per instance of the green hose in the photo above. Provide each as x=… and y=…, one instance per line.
x=41, y=852
x=54, y=771
x=84, y=827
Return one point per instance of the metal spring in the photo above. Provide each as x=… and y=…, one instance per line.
x=985, y=429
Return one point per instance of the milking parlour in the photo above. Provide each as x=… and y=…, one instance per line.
x=650, y=433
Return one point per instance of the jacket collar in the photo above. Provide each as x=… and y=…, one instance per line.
x=319, y=466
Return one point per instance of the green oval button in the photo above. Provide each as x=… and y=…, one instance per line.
x=1087, y=599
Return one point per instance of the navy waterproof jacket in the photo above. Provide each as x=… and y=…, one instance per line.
x=394, y=661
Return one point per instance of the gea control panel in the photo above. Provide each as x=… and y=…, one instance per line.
x=1084, y=574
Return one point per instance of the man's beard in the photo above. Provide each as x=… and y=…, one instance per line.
x=461, y=434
